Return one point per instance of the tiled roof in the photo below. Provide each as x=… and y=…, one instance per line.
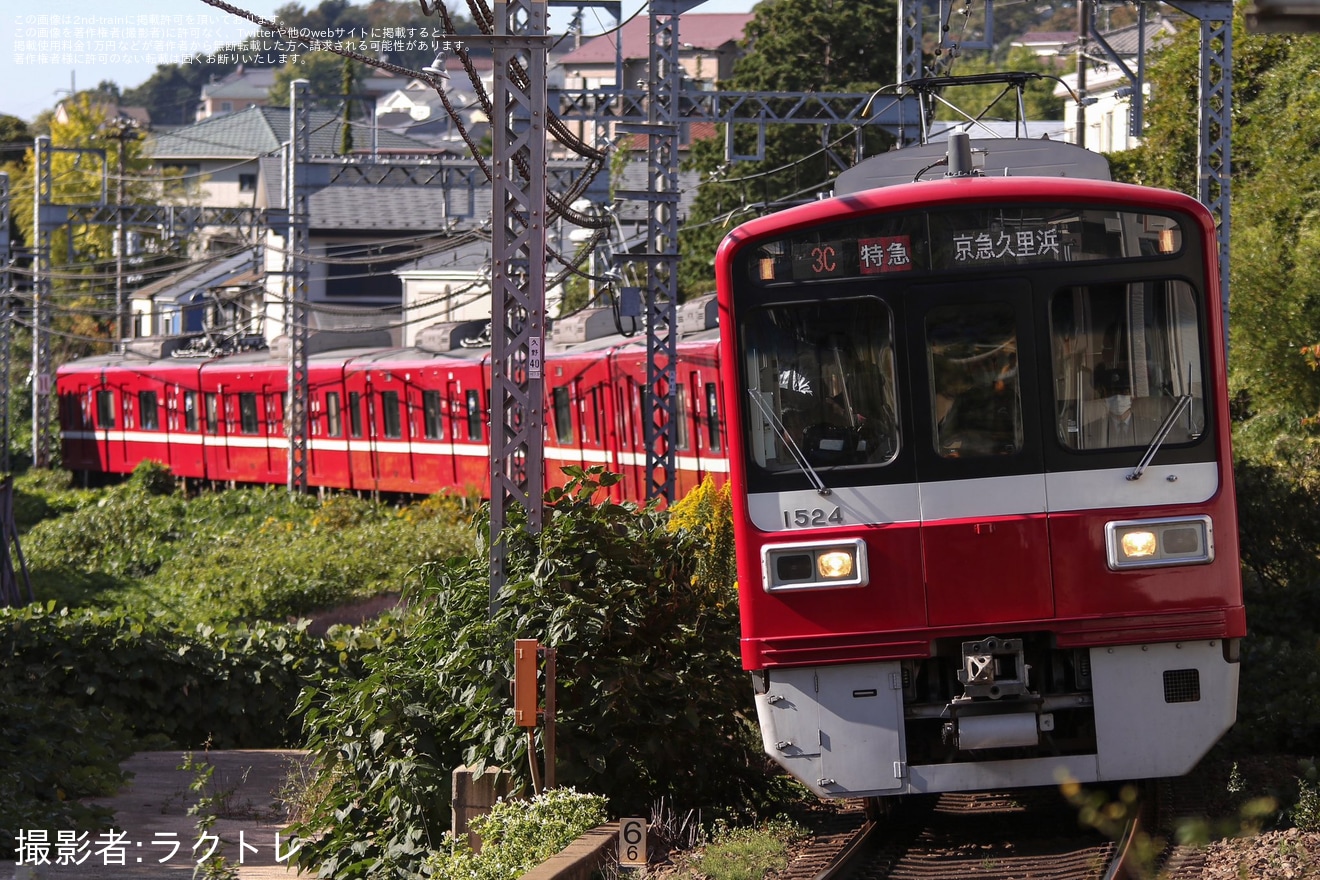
x=259, y=131
x=241, y=84
x=707, y=31
x=364, y=208
x=221, y=271
x=1036, y=37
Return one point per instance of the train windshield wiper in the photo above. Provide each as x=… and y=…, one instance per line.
x=798, y=456
x=1181, y=404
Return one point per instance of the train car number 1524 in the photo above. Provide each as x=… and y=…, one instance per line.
x=814, y=517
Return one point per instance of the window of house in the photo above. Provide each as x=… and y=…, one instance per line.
x=247, y=183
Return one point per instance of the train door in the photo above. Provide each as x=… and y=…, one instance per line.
x=979, y=454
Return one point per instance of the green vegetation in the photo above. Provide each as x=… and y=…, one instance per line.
x=646, y=669
x=247, y=555
x=517, y=835
x=741, y=852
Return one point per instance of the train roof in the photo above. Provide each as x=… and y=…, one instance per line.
x=592, y=332
x=994, y=157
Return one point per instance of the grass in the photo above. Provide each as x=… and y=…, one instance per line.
x=741, y=853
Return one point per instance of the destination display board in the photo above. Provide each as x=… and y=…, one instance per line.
x=978, y=238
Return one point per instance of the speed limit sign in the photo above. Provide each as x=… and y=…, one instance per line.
x=632, y=843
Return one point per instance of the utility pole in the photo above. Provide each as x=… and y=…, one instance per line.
x=121, y=130
x=1083, y=41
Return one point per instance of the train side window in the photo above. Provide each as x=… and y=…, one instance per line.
x=247, y=413
x=355, y=413
x=1125, y=356
x=105, y=409
x=432, y=424
x=212, y=413
x=150, y=413
x=712, y=417
x=389, y=404
x=334, y=425
x=971, y=352
x=190, y=410
x=563, y=416
x=274, y=414
x=681, y=415
x=474, y=414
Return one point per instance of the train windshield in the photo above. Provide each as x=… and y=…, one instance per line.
x=821, y=385
x=1126, y=356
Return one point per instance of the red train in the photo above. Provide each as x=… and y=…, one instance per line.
x=407, y=420
x=977, y=433
x=982, y=483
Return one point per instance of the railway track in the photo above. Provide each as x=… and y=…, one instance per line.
x=1026, y=834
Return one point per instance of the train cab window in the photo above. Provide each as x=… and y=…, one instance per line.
x=105, y=409
x=563, y=414
x=820, y=385
x=248, y=422
x=1125, y=358
x=212, y=413
x=976, y=398
x=190, y=411
x=334, y=424
x=712, y=417
x=149, y=412
x=432, y=424
x=474, y=414
x=389, y=414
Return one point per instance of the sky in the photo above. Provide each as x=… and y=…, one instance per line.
x=48, y=47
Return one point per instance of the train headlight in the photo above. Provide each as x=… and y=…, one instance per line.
x=1150, y=543
x=813, y=566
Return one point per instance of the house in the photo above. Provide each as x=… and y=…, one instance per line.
x=709, y=43
x=215, y=162
x=243, y=88
x=1108, y=88
x=205, y=297
x=251, y=86
x=1048, y=44
x=111, y=111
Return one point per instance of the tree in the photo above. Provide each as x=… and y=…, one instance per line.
x=1274, y=317
x=794, y=46
x=86, y=155
x=1038, y=95
x=323, y=70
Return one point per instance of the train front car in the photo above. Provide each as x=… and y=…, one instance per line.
x=983, y=495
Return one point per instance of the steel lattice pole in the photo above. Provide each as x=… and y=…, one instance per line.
x=296, y=246
x=41, y=195
x=518, y=242
x=660, y=422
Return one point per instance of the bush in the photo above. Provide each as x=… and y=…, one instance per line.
x=246, y=555
x=516, y=836
x=55, y=751
x=236, y=687
x=650, y=696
